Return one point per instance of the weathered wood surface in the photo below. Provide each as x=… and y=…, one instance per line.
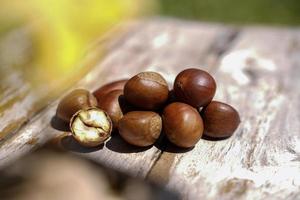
x=127, y=57
x=257, y=71
x=260, y=76
x=23, y=92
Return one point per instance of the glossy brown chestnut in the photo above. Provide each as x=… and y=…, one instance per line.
x=76, y=100
x=195, y=87
x=182, y=124
x=91, y=127
x=220, y=120
x=116, y=85
x=146, y=90
x=110, y=104
x=140, y=128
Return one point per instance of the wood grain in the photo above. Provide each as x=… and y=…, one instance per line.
x=126, y=57
x=257, y=71
x=261, y=161
x=22, y=93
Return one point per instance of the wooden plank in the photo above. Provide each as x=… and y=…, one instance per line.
x=14, y=89
x=20, y=100
x=260, y=77
x=20, y=97
x=152, y=45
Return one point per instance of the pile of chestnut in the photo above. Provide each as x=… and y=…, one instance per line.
x=143, y=107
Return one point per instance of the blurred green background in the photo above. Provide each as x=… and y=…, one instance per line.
x=274, y=12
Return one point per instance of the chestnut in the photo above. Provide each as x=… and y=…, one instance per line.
x=115, y=85
x=182, y=124
x=194, y=87
x=109, y=102
x=146, y=90
x=91, y=127
x=76, y=100
x=140, y=128
x=220, y=120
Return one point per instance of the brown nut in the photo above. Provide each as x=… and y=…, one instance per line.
x=116, y=85
x=182, y=124
x=146, y=90
x=220, y=120
x=110, y=104
x=195, y=87
x=140, y=128
x=76, y=100
x=91, y=127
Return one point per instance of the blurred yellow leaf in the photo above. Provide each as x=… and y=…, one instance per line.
x=61, y=30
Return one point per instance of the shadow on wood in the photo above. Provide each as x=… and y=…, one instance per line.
x=70, y=144
x=206, y=137
x=165, y=145
x=117, y=144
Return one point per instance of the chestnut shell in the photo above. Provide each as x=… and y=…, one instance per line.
x=220, y=119
x=182, y=124
x=109, y=102
x=76, y=100
x=107, y=88
x=146, y=90
x=194, y=87
x=140, y=128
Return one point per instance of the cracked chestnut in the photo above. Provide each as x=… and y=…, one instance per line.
x=182, y=124
x=195, y=87
x=91, y=127
x=220, y=119
x=140, y=128
x=146, y=90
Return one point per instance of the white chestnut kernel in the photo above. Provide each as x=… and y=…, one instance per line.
x=91, y=127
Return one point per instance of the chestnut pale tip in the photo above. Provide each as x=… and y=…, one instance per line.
x=91, y=127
